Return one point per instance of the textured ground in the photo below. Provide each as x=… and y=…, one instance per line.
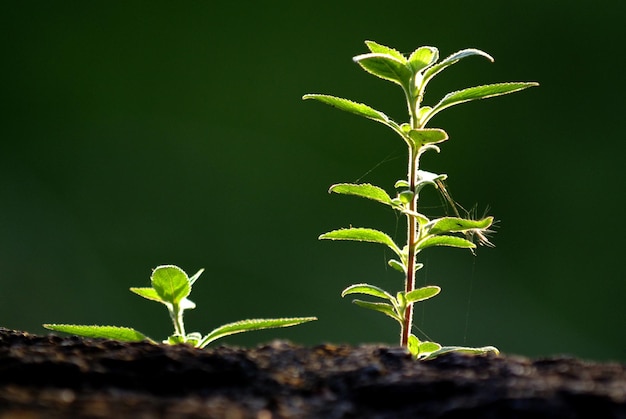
x=68, y=377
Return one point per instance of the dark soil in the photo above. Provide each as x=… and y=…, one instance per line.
x=69, y=377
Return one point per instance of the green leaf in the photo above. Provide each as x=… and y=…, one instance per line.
x=428, y=347
x=464, y=350
x=367, y=289
x=451, y=241
x=381, y=49
x=425, y=136
x=397, y=265
x=452, y=59
x=478, y=92
x=249, y=325
x=364, y=235
x=364, y=190
x=350, y=106
x=171, y=283
x=454, y=224
x=195, y=276
x=413, y=345
x=148, y=293
x=384, y=308
x=386, y=66
x=125, y=334
x=422, y=294
x=422, y=58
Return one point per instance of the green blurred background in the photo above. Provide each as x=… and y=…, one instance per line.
x=142, y=133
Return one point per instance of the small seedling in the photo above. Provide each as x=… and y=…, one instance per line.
x=412, y=74
x=171, y=286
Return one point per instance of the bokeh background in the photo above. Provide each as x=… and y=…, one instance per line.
x=134, y=134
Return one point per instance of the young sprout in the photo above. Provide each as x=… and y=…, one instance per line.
x=412, y=74
x=171, y=286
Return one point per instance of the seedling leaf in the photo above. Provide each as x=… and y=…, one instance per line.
x=464, y=350
x=125, y=334
x=422, y=58
x=364, y=235
x=171, y=283
x=478, y=92
x=367, y=289
x=148, y=293
x=364, y=190
x=453, y=59
x=453, y=224
x=386, y=67
x=384, y=308
x=249, y=325
x=195, y=276
x=350, y=106
x=422, y=294
x=381, y=49
x=450, y=241
x=425, y=136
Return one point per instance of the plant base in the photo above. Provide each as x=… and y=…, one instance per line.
x=69, y=377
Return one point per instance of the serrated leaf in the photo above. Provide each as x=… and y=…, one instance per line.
x=364, y=190
x=171, y=283
x=422, y=58
x=125, y=334
x=425, y=136
x=148, y=293
x=454, y=224
x=250, y=325
x=422, y=294
x=452, y=59
x=367, y=289
x=476, y=93
x=450, y=241
x=381, y=49
x=384, y=308
x=347, y=105
x=386, y=67
x=363, y=235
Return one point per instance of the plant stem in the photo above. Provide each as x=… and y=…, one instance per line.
x=176, y=315
x=412, y=227
x=412, y=224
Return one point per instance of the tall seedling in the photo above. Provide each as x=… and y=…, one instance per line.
x=412, y=74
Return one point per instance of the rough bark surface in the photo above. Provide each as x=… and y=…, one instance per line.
x=69, y=377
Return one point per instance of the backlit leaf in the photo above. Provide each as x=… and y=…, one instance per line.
x=386, y=67
x=367, y=289
x=381, y=49
x=148, y=293
x=364, y=190
x=453, y=224
x=422, y=58
x=453, y=59
x=428, y=136
x=478, y=92
x=250, y=325
x=363, y=235
x=125, y=334
x=381, y=307
x=422, y=294
x=171, y=283
x=464, y=350
x=349, y=106
x=451, y=241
